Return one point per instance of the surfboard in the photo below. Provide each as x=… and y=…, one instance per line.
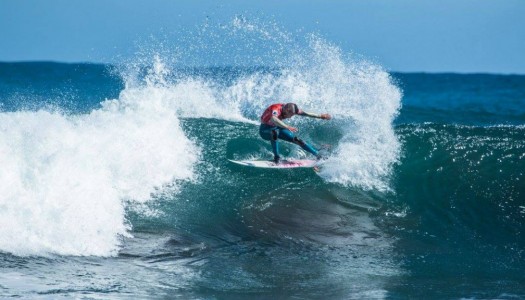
x=283, y=164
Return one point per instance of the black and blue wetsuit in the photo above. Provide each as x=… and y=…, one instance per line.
x=274, y=134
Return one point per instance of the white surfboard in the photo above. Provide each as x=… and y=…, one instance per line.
x=283, y=164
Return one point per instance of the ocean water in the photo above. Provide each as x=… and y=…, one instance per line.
x=115, y=183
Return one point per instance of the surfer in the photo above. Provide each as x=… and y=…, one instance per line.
x=273, y=128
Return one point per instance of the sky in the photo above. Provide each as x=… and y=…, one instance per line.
x=465, y=36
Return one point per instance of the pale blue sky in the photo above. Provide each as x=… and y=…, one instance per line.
x=409, y=35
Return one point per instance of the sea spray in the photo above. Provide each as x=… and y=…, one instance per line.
x=360, y=95
x=318, y=76
x=301, y=68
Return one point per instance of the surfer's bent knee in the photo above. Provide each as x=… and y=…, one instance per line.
x=298, y=141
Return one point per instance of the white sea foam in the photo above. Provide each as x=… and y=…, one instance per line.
x=64, y=178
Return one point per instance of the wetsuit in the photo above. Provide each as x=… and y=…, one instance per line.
x=272, y=132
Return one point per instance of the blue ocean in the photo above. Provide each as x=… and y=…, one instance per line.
x=116, y=184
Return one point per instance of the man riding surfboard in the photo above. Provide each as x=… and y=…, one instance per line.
x=273, y=128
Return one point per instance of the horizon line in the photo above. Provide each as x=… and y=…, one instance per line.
x=262, y=66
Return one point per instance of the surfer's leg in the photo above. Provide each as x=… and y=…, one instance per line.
x=306, y=146
x=265, y=132
x=288, y=136
x=275, y=149
x=270, y=133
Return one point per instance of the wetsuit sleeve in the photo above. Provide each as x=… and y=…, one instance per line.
x=278, y=122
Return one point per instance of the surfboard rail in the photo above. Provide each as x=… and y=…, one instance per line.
x=283, y=164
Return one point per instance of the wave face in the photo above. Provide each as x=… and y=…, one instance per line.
x=465, y=183
x=115, y=170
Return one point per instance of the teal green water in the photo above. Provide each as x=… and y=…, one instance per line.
x=435, y=210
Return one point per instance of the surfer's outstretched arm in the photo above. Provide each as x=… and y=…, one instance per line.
x=318, y=116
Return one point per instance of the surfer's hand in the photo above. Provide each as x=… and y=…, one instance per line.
x=326, y=116
x=292, y=129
